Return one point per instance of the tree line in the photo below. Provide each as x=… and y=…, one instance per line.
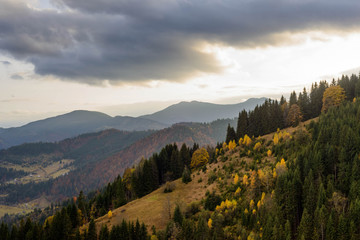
x=273, y=114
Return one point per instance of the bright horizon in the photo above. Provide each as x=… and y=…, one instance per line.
x=63, y=55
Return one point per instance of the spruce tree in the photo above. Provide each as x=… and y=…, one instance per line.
x=230, y=135
x=178, y=217
x=242, y=124
x=92, y=231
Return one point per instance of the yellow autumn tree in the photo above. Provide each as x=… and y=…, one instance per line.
x=216, y=152
x=280, y=167
x=236, y=179
x=333, y=96
x=232, y=145
x=265, y=177
x=238, y=190
x=251, y=204
x=224, y=146
x=154, y=237
x=262, y=198
x=247, y=140
x=245, y=180
x=276, y=139
x=257, y=146
x=269, y=153
x=210, y=223
x=254, y=183
x=258, y=204
x=199, y=158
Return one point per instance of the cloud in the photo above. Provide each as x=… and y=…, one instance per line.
x=5, y=62
x=16, y=77
x=127, y=41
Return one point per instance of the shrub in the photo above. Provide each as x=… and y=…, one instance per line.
x=211, y=201
x=186, y=176
x=169, y=187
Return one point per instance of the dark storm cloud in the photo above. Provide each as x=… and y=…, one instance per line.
x=136, y=40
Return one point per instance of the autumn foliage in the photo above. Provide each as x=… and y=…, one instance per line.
x=294, y=116
x=199, y=158
x=333, y=96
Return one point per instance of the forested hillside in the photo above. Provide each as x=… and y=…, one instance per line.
x=32, y=160
x=298, y=184
x=98, y=157
x=273, y=114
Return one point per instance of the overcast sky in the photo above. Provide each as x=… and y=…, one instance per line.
x=116, y=55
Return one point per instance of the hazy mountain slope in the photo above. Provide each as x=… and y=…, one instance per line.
x=201, y=111
x=96, y=175
x=70, y=125
x=78, y=122
x=80, y=152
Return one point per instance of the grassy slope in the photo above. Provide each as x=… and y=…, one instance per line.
x=12, y=210
x=152, y=209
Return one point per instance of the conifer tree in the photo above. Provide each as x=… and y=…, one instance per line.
x=104, y=233
x=178, y=217
x=230, y=135
x=242, y=124
x=186, y=176
x=92, y=231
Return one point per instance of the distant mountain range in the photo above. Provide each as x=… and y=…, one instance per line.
x=79, y=122
x=70, y=125
x=201, y=111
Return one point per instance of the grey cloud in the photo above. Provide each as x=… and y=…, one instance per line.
x=5, y=62
x=16, y=77
x=123, y=40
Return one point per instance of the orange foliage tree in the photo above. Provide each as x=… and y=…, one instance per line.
x=294, y=116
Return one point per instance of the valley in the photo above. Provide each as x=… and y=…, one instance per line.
x=38, y=173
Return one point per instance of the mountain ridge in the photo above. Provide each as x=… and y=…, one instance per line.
x=78, y=122
x=196, y=111
x=70, y=125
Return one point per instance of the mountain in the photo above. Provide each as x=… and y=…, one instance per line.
x=91, y=160
x=201, y=111
x=70, y=125
x=78, y=122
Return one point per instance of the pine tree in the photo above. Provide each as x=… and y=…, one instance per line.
x=230, y=135
x=242, y=124
x=185, y=155
x=293, y=98
x=92, y=231
x=306, y=225
x=178, y=217
x=104, y=233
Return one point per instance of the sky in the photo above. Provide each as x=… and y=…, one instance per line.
x=134, y=57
